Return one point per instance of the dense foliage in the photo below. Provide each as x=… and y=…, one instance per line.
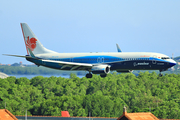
x=104, y=97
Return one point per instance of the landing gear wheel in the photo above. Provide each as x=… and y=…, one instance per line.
x=103, y=75
x=88, y=75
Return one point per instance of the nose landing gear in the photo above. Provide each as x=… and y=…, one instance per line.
x=160, y=74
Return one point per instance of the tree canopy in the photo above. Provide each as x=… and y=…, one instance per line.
x=102, y=97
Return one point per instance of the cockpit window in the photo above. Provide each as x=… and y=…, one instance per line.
x=165, y=58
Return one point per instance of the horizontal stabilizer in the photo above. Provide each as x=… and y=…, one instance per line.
x=18, y=56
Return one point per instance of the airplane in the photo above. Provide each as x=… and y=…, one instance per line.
x=94, y=63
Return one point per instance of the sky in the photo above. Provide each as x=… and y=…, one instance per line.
x=79, y=26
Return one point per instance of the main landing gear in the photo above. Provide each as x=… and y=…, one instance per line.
x=88, y=75
x=103, y=75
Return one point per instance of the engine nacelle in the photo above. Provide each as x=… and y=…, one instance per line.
x=124, y=71
x=100, y=69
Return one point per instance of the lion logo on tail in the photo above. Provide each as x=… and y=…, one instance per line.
x=31, y=43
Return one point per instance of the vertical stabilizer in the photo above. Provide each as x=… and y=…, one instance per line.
x=32, y=42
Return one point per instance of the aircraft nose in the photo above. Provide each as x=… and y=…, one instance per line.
x=172, y=63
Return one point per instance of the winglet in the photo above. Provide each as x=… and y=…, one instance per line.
x=118, y=48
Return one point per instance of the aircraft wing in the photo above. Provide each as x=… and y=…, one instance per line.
x=70, y=65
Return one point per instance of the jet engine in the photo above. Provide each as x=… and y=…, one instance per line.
x=100, y=69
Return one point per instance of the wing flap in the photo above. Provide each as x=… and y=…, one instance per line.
x=75, y=67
